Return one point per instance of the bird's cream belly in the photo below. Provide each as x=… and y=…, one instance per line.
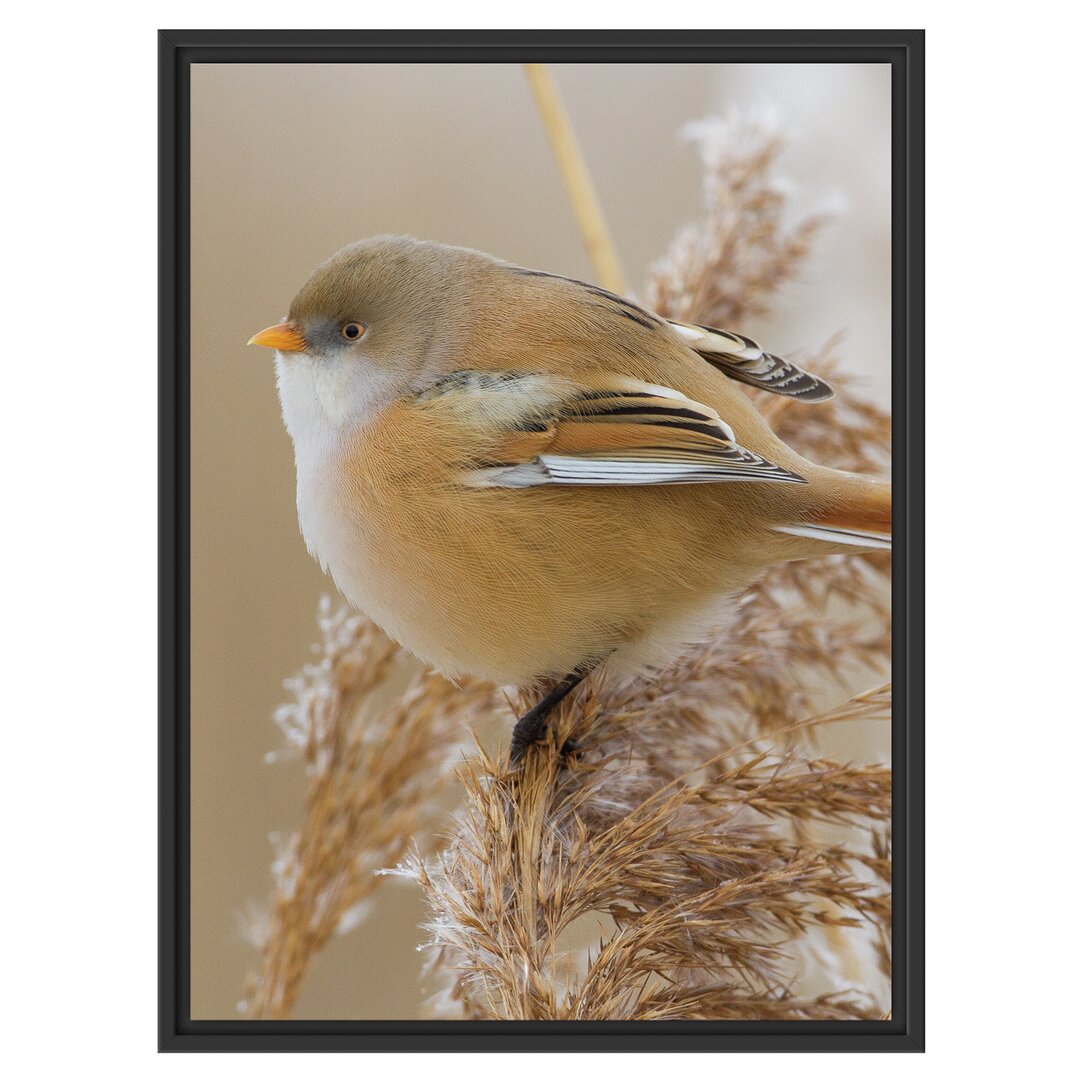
x=466, y=606
x=463, y=627
x=494, y=641
x=670, y=635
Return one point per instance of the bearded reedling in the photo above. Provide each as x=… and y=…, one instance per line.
x=523, y=477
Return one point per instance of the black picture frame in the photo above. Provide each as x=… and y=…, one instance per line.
x=904, y=51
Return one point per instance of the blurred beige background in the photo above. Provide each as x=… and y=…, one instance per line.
x=289, y=162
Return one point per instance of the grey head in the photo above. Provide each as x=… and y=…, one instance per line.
x=389, y=302
x=380, y=319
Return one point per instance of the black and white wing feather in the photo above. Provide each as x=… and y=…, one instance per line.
x=608, y=430
x=737, y=356
x=743, y=359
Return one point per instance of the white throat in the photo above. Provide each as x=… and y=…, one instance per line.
x=323, y=402
x=320, y=398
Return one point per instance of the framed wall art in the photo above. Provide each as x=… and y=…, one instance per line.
x=541, y=540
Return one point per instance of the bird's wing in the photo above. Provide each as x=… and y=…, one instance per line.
x=606, y=430
x=735, y=355
x=745, y=360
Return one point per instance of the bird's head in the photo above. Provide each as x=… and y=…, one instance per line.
x=373, y=323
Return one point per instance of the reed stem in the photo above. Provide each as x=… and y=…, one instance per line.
x=576, y=179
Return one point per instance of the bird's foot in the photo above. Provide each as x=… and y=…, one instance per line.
x=518, y=747
x=533, y=726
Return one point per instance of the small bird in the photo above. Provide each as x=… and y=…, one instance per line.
x=523, y=477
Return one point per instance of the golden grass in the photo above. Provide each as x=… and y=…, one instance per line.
x=375, y=731
x=694, y=883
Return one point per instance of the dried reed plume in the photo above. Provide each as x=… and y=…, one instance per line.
x=698, y=858
x=687, y=890
x=375, y=731
x=729, y=267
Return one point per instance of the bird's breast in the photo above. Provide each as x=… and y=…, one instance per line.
x=508, y=584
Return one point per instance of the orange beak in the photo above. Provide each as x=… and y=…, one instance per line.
x=285, y=337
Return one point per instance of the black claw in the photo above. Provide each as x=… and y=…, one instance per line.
x=518, y=748
x=533, y=726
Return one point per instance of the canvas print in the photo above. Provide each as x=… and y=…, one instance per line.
x=540, y=545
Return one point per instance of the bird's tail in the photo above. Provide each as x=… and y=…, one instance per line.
x=854, y=513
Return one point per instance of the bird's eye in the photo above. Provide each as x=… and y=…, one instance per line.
x=353, y=330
